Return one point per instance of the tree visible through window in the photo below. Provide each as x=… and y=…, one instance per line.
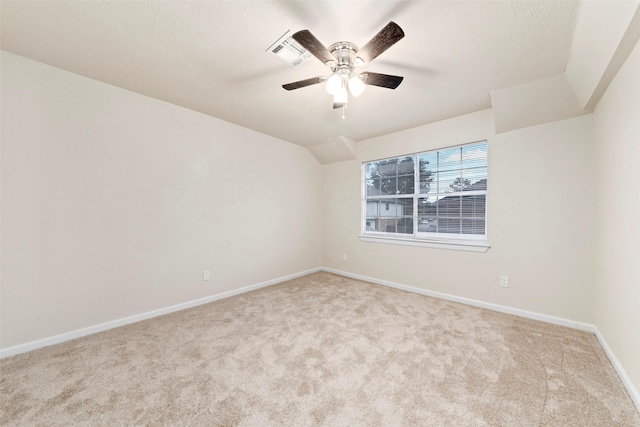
x=444, y=197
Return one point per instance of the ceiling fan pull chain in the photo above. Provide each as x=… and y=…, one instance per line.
x=343, y=108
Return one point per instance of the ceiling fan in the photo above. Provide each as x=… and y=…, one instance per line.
x=343, y=57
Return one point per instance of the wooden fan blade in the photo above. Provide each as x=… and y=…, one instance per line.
x=313, y=45
x=303, y=83
x=338, y=105
x=382, y=80
x=382, y=41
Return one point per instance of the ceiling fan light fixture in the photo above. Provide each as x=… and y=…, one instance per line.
x=334, y=83
x=341, y=96
x=356, y=85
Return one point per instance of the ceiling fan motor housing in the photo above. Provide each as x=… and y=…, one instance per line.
x=345, y=54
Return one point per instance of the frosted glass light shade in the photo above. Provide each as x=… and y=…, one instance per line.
x=341, y=96
x=334, y=83
x=356, y=86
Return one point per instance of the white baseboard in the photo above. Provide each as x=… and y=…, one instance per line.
x=67, y=336
x=622, y=373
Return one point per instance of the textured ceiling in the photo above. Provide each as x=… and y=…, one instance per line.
x=211, y=56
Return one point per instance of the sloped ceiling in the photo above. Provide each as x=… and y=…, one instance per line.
x=210, y=56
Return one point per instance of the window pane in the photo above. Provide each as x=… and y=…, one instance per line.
x=427, y=172
x=427, y=211
x=407, y=206
x=431, y=187
x=405, y=165
x=474, y=155
x=448, y=182
x=405, y=225
x=474, y=206
x=374, y=212
x=373, y=209
x=388, y=167
x=388, y=185
x=427, y=206
x=373, y=187
x=450, y=159
x=371, y=170
x=449, y=225
x=476, y=179
x=430, y=160
x=449, y=206
x=473, y=226
x=428, y=224
x=392, y=215
x=405, y=184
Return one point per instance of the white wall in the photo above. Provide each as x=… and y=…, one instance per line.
x=604, y=34
x=617, y=170
x=114, y=203
x=540, y=220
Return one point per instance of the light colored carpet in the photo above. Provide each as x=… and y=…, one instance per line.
x=321, y=350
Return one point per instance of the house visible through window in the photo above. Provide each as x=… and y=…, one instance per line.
x=437, y=194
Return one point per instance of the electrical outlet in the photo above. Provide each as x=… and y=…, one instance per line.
x=206, y=275
x=344, y=257
x=504, y=281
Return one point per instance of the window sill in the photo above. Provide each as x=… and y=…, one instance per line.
x=455, y=245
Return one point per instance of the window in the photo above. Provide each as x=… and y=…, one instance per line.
x=434, y=196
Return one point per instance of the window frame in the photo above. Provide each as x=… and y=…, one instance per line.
x=453, y=241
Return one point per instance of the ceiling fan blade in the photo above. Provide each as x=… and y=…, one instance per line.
x=338, y=105
x=303, y=83
x=382, y=41
x=382, y=80
x=313, y=45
